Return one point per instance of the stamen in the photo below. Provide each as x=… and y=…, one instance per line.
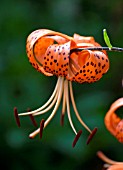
x=16, y=116
x=75, y=109
x=68, y=105
x=33, y=120
x=41, y=127
x=76, y=138
x=91, y=135
x=59, y=91
x=46, y=104
x=62, y=119
x=63, y=109
x=33, y=134
x=48, y=108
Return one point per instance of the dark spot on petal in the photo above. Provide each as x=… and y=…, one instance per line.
x=55, y=61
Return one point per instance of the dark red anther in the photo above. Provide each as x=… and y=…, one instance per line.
x=91, y=135
x=62, y=120
x=16, y=116
x=76, y=138
x=33, y=120
x=41, y=127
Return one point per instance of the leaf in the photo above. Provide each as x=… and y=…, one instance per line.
x=106, y=38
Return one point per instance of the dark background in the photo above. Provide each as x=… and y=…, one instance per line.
x=23, y=86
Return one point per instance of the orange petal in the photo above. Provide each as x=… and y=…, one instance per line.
x=119, y=131
x=37, y=44
x=93, y=64
x=112, y=121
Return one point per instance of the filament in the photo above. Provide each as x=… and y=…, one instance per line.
x=68, y=105
x=60, y=91
x=63, y=108
x=48, y=108
x=75, y=109
x=64, y=103
x=46, y=104
x=58, y=101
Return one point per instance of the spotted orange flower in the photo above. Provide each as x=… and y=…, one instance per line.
x=76, y=58
x=114, y=123
x=110, y=164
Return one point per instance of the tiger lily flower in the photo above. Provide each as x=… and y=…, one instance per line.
x=78, y=58
x=114, y=123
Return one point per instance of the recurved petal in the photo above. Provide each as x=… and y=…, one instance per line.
x=119, y=131
x=113, y=123
x=38, y=42
x=84, y=41
x=92, y=65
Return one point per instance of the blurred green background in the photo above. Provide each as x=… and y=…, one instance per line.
x=23, y=86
